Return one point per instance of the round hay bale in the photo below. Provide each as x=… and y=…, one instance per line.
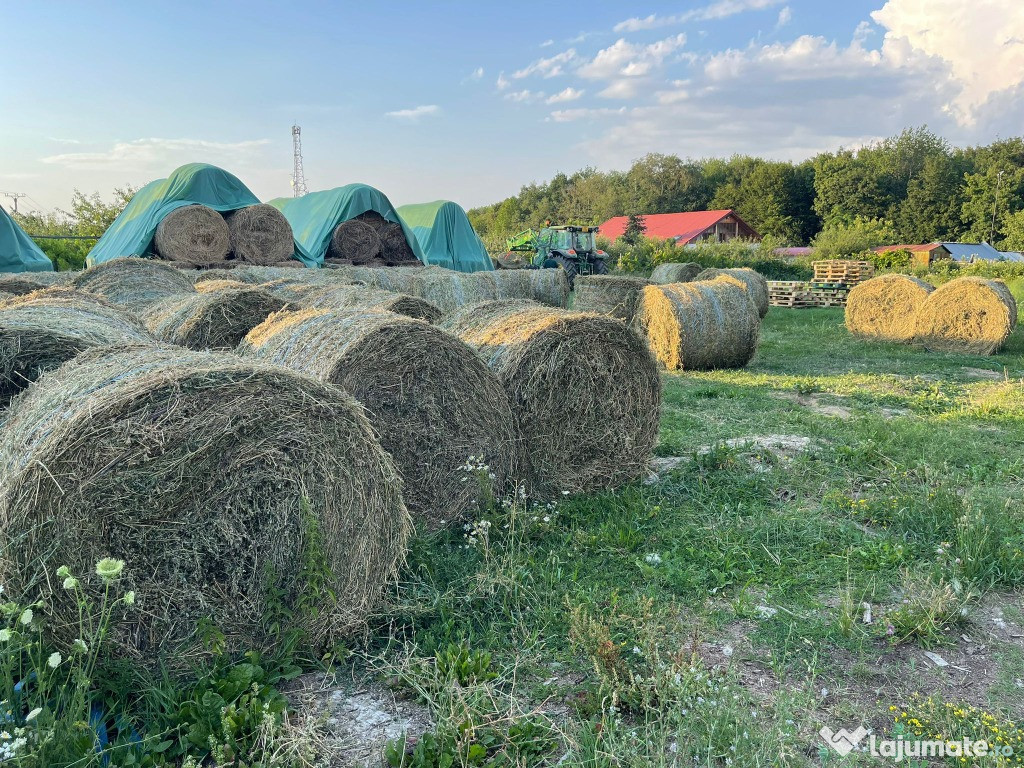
x=397, y=279
x=584, y=388
x=664, y=274
x=700, y=325
x=209, y=286
x=220, y=273
x=756, y=285
x=611, y=295
x=213, y=320
x=217, y=480
x=134, y=283
x=42, y=330
x=20, y=284
x=886, y=307
x=510, y=283
x=432, y=401
x=260, y=234
x=354, y=240
x=394, y=247
x=365, y=297
x=193, y=234
x=968, y=315
x=549, y=286
x=448, y=290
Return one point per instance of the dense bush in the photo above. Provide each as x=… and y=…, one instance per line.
x=649, y=253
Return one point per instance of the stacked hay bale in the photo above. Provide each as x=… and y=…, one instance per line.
x=42, y=330
x=665, y=274
x=396, y=279
x=208, y=286
x=886, y=307
x=370, y=240
x=584, y=388
x=364, y=297
x=216, y=480
x=612, y=295
x=134, y=283
x=700, y=325
x=756, y=285
x=21, y=284
x=213, y=319
x=549, y=286
x=260, y=234
x=431, y=400
x=194, y=235
x=448, y=290
x=967, y=315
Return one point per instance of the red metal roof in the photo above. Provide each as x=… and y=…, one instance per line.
x=912, y=248
x=682, y=227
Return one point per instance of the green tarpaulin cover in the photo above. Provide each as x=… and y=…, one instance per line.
x=314, y=216
x=17, y=251
x=132, y=232
x=447, y=237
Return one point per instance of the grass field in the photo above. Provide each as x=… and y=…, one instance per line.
x=758, y=591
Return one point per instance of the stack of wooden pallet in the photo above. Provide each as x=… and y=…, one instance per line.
x=829, y=288
x=842, y=272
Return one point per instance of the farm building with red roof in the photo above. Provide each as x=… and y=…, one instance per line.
x=687, y=228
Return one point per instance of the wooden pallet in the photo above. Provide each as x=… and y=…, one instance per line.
x=842, y=272
x=793, y=294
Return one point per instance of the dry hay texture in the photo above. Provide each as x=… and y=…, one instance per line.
x=448, y=290
x=211, y=320
x=134, y=283
x=886, y=307
x=664, y=274
x=432, y=401
x=397, y=279
x=366, y=297
x=355, y=242
x=43, y=330
x=21, y=284
x=193, y=234
x=967, y=315
x=549, y=286
x=260, y=234
x=584, y=388
x=210, y=286
x=394, y=248
x=700, y=325
x=611, y=295
x=256, y=275
x=756, y=285
x=217, y=480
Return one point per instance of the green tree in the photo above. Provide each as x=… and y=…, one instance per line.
x=635, y=229
x=841, y=239
x=930, y=212
x=847, y=187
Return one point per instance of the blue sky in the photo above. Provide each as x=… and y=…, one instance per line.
x=468, y=101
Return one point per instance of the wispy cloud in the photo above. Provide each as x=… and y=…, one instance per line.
x=159, y=152
x=63, y=141
x=414, y=113
x=569, y=94
x=718, y=10
x=502, y=82
x=785, y=16
x=547, y=43
x=569, y=115
x=626, y=59
x=477, y=74
x=550, y=67
x=525, y=96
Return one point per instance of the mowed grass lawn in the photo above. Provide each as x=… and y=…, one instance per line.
x=867, y=511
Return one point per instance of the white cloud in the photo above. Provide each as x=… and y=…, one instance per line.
x=525, y=96
x=626, y=59
x=785, y=16
x=502, y=82
x=415, y=113
x=569, y=115
x=569, y=94
x=160, y=153
x=477, y=73
x=63, y=141
x=809, y=57
x=550, y=67
x=717, y=10
x=621, y=89
x=547, y=43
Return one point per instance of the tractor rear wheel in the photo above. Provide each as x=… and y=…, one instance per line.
x=600, y=267
x=570, y=269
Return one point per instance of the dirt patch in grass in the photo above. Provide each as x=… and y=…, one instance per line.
x=982, y=373
x=814, y=403
x=760, y=451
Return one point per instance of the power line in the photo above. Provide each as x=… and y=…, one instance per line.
x=15, y=196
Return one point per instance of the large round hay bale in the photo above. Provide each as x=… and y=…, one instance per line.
x=217, y=480
x=700, y=325
x=21, y=284
x=260, y=234
x=664, y=274
x=211, y=320
x=968, y=315
x=613, y=295
x=365, y=297
x=886, y=307
x=549, y=286
x=448, y=290
x=510, y=283
x=430, y=398
x=43, y=330
x=394, y=246
x=757, y=286
x=210, y=286
x=584, y=388
x=134, y=283
x=193, y=234
x=397, y=279
x=355, y=241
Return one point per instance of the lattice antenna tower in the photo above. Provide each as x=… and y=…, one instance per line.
x=298, y=175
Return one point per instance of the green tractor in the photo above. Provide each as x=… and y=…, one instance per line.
x=570, y=247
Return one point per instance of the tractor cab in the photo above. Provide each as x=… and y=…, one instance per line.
x=572, y=248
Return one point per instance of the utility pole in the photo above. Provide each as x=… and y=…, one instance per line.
x=14, y=196
x=995, y=202
x=298, y=174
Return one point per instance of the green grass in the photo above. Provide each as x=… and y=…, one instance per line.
x=914, y=495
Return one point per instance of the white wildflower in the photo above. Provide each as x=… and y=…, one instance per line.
x=26, y=617
x=54, y=661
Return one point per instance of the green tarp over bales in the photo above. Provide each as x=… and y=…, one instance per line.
x=17, y=251
x=314, y=216
x=447, y=237
x=132, y=232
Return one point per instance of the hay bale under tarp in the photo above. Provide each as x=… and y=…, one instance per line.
x=432, y=401
x=584, y=388
x=260, y=234
x=394, y=247
x=968, y=315
x=134, y=283
x=674, y=272
x=41, y=331
x=756, y=285
x=886, y=307
x=217, y=480
x=701, y=325
x=365, y=297
x=213, y=320
x=613, y=295
x=193, y=234
x=355, y=242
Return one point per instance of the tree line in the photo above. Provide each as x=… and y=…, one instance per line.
x=910, y=188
